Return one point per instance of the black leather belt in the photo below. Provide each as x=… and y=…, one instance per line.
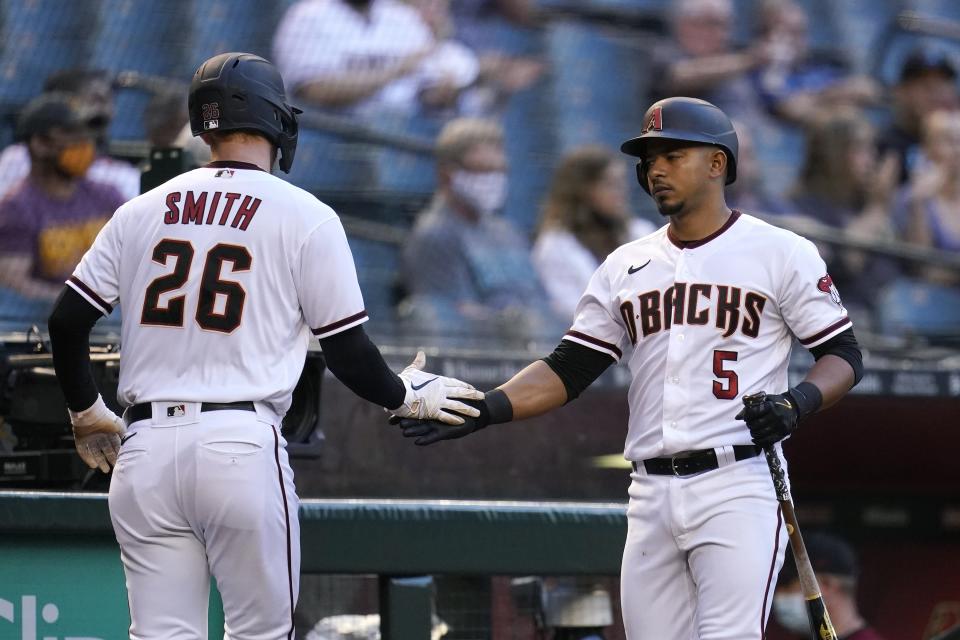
x=690, y=462
x=145, y=411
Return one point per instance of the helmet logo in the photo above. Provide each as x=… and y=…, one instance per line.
x=210, y=113
x=654, y=122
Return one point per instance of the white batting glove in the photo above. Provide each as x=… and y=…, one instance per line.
x=431, y=397
x=97, y=431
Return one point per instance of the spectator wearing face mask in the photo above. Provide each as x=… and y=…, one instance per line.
x=51, y=217
x=464, y=262
x=91, y=94
x=835, y=565
x=585, y=217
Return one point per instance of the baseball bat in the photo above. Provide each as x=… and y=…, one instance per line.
x=820, y=626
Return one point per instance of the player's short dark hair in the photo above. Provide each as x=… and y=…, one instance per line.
x=222, y=136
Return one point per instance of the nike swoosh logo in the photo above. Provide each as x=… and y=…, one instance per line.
x=633, y=270
x=127, y=437
x=418, y=387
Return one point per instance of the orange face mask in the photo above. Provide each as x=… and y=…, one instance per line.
x=76, y=159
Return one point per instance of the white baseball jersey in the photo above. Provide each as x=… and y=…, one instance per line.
x=704, y=323
x=221, y=273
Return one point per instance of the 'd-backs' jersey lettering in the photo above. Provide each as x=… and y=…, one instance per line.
x=222, y=274
x=702, y=326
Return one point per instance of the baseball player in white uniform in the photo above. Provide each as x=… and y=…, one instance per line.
x=223, y=273
x=704, y=311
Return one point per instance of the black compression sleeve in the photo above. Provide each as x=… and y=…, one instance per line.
x=69, y=325
x=357, y=363
x=843, y=345
x=577, y=366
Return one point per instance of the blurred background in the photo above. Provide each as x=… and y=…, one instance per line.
x=471, y=150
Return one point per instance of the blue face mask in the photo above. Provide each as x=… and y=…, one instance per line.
x=790, y=610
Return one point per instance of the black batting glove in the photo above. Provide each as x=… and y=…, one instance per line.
x=428, y=432
x=772, y=419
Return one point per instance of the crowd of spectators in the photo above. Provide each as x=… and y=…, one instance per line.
x=880, y=163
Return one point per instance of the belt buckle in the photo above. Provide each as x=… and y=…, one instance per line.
x=673, y=466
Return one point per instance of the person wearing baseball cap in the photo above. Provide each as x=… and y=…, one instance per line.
x=927, y=83
x=51, y=217
x=838, y=571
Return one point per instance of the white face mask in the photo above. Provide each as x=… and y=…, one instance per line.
x=483, y=191
x=790, y=610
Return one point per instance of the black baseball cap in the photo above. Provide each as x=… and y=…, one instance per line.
x=828, y=554
x=46, y=112
x=922, y=61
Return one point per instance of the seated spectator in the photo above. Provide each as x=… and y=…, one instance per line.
x=702, y=62
x=844, y=184
x=793, y=84
x=502, y=72
x=52, y=216
x=928, y=82
x=749, y=193
x=466, y=265
x=928, y=207
x=835, y=565
x=91, y=93
x=585, y=217
x=364, y=56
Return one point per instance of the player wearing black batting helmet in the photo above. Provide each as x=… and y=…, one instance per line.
x=235, y=91
x=689, y=120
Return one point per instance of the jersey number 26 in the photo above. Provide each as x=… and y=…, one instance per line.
x=211, y=285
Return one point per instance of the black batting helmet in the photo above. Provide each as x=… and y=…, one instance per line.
x=684, y=119
x=234, y=91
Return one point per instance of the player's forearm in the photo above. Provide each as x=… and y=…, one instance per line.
x=534, y=391
x=357, y=363
x=69, y=325
x=833, y=376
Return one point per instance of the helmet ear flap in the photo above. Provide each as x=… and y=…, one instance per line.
x=642, y=175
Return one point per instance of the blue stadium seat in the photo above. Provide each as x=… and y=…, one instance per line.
x=327, y=163
x=400, y=171
x=145, y=36
x=912, y=308
x=949, y=9
x=218, y=26
x=779, y=152
x=39, y=38
x=860, y=25
x=597, y=84
x=377, y=269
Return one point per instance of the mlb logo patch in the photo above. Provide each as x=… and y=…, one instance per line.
x=224, y=173
x=176, y=411
x=211, y=124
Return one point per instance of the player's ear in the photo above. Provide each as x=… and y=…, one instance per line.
x=718, y=163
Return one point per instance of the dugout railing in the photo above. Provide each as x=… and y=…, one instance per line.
x=60, y=572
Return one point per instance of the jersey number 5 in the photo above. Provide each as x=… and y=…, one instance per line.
x=733, y=383
x=211, y=285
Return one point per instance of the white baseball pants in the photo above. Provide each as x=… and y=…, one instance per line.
x=207, y=494
x=702, y=554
